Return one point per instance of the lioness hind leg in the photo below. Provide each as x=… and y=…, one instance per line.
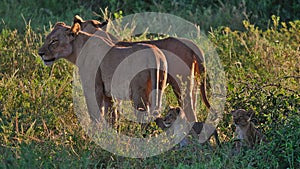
x=217, y=138
x=111, y=112
x=140, y=88
x=155, y=93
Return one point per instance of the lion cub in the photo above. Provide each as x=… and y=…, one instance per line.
x=246, y=133
x=171, y=117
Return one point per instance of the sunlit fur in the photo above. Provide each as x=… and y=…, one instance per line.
x=246, y=133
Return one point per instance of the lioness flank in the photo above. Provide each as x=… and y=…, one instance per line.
x=68, y=42
x=182, y=49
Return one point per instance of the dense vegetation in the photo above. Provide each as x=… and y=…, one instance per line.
x=206, y=13
x=259, y=51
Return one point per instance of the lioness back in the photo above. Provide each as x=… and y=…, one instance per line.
x=184, y=49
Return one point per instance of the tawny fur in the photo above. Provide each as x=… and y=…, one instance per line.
x=173, y=114
x=246, y=133
x=67, y=42
x=185, y=49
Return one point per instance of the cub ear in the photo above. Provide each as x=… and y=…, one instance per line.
x=250, y=113
x=75, y=29
x=77, y=19
x=178, y=110
x=232, y=112
x=170, y=107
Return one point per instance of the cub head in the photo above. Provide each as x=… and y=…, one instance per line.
x=58, y=43
x=241, y=117
x=171, y=116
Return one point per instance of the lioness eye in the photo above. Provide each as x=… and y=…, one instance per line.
x=53, y=41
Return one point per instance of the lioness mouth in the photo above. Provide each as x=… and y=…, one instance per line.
x=49, y=60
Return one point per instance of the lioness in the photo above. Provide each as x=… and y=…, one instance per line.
x=246, y=133
x=181, y=48
x=67, y=42
x=173, y=114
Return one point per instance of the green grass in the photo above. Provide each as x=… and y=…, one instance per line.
x=39, y=129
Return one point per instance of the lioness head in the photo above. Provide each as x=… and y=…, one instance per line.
x=58, y=44
x=241, y=117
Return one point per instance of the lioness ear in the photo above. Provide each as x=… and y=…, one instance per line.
x=103, y=24
x=77, y=19
x=58, y=24
x=75, y=29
